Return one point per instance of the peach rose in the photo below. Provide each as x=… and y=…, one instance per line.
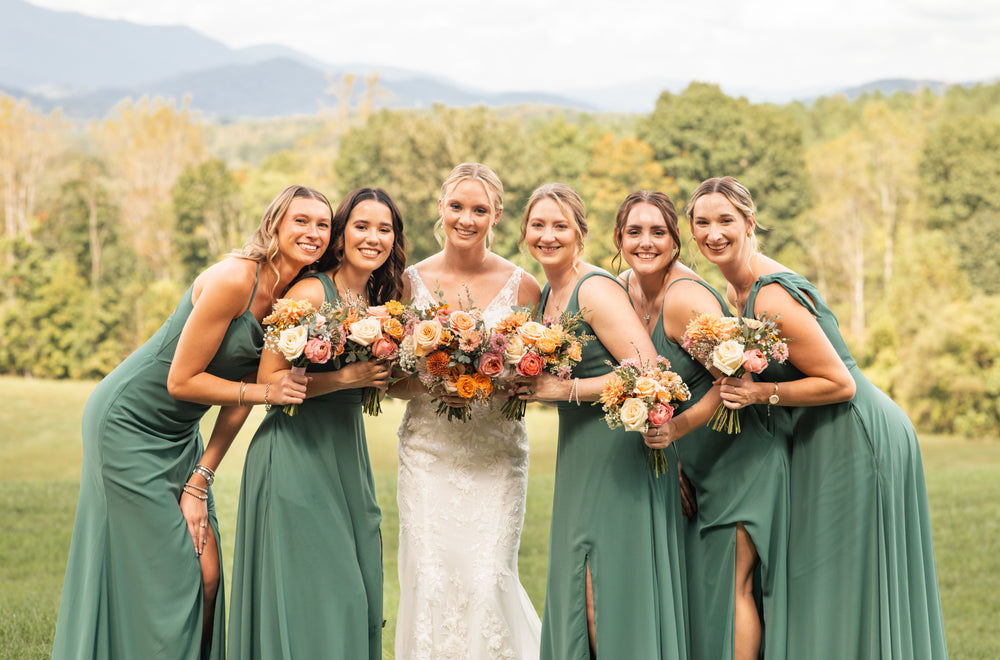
x=318, y=350
x=384, y=348
x=575, y=351
x=547, y=345
x=531, y=332
x=426, y=335
x=460, y=322
x=754, y=361
x=646, y=386
x=394, y=328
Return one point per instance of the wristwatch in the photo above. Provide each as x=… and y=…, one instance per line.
x=773, y=399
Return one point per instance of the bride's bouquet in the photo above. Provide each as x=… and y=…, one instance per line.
x=734, y=346
x=638, y=395
x=303, y=335
x=521, y=346
x=444, y=348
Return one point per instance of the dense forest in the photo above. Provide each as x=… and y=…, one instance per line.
x=891, y=205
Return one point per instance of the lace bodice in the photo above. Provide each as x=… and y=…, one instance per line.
x=498, y=308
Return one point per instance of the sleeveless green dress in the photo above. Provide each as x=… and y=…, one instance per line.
x=862, y=578
x=612, y=514
x=133, y=585
x=737, y=478
x=307, y=569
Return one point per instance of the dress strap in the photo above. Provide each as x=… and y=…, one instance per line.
x=256, y=281
x=574, y=300
x=797, y=287
x=420, y=295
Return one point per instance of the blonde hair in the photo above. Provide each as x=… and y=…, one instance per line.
x=568, y=201
x=738, y=196
x=262, y=246
x=491, y=184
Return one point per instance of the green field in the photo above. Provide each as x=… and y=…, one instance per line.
x=39, y=476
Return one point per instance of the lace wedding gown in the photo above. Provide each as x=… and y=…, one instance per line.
x=461, y=494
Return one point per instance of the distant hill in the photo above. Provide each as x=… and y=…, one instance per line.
x=86, y=65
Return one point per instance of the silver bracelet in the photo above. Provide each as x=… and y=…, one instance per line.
x=205, y=472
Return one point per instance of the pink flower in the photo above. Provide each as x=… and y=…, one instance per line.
x=780, y=351
x=660, y=413
x=384, y=348
x=530, y=364
x=379, y=312
x=490, y=364
x=317, y=350
x=470, y=340
x=754, y=361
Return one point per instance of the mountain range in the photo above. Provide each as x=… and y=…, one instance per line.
x=86, y=65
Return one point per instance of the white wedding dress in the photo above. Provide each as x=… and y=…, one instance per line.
x=461, y=493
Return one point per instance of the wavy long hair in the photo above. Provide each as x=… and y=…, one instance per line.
x=386, y=282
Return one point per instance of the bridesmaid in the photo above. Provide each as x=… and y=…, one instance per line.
x=741, y=481
x=135, y=587
x=615, y=586
x=308, y=560
x=862, y=579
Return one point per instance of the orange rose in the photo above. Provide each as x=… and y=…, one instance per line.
x=546, y=345
x=394, y=329
x=483, y=383
x=575, y=351
x=466, y=386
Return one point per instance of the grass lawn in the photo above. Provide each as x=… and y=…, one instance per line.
x=39, y=480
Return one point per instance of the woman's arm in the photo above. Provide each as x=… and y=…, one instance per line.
x=826, y=380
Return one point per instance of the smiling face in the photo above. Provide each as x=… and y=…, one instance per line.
x=646, y=243
x=304, y=231
x=467, y=214
x=721, y=230
x=368, y=237
x=551, y=237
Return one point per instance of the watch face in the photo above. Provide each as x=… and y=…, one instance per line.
x=773, y=399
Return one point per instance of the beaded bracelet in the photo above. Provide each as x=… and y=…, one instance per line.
x=195, y=494
x=574, y=392
x=204, y=490
x=267, y=390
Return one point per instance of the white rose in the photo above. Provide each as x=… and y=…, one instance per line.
x=633, y=414
x=292, y=341
x=728, y=356
x=365, y=331
x=515, y=349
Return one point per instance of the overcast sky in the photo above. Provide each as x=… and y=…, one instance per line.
x=563, y=45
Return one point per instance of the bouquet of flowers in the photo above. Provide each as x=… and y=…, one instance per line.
x=525, y=347
x=443, y=347
x=303, y=335
x=638, y=396
x=734, y=346
x=373, y=333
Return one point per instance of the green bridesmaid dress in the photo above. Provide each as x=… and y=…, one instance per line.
x=862, y=579
x=133, y=585
x=737, y=479
x=307, y=570
x=611, y=514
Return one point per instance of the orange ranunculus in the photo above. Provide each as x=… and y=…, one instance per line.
x=466, y=386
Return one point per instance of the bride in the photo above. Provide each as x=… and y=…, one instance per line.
x=462, y=485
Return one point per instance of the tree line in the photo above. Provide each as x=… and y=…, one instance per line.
x=890, y=204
